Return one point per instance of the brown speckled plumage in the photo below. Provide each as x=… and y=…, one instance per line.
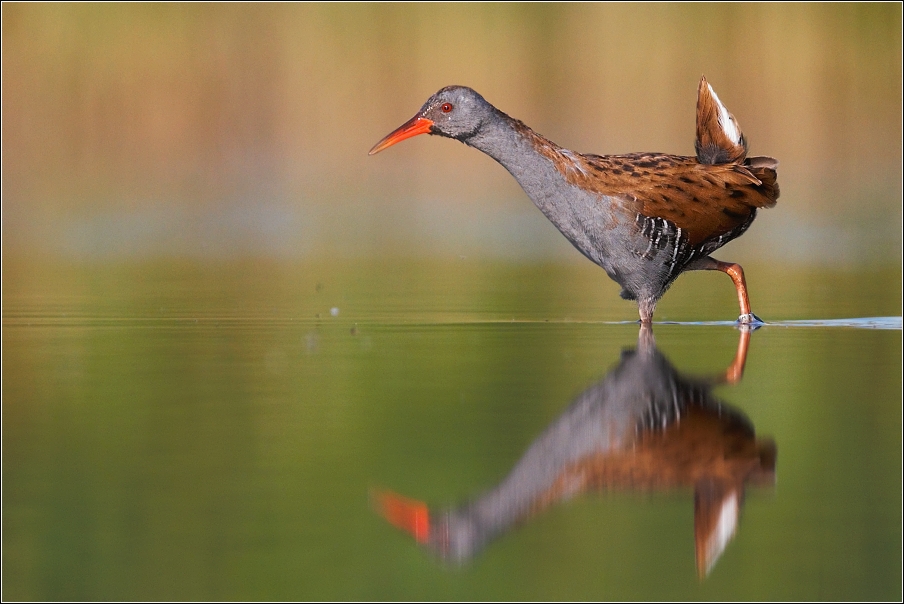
x=643, y=217
x=705, y=200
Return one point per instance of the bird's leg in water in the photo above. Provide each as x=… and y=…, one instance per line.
x=736, y=273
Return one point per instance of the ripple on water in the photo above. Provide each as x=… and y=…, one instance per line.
x=862, y=323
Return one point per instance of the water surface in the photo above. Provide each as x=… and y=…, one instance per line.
x=218, y=430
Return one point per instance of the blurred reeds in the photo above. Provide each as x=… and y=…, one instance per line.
x=207, y=129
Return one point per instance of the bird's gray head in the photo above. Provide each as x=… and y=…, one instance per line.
x=455, y=111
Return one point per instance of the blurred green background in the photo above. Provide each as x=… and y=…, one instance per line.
x=221, y=131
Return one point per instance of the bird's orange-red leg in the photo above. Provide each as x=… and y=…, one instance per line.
x=737, y=276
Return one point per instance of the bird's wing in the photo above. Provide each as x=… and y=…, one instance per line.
x=706, y=201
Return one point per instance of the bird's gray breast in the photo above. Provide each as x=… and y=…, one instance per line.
x=605, y=230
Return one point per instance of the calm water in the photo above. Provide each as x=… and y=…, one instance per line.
x=231, y=431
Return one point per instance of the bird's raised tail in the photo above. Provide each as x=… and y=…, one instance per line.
x=720, y=141
x=719, y=136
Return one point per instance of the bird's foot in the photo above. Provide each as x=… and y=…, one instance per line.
x=750, y=321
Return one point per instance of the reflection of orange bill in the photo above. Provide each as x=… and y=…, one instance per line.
x=410, y=515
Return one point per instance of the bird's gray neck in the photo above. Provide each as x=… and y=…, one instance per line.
x=549, y=175
x=521, y=152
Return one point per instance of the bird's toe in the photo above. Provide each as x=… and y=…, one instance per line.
x=750, y=320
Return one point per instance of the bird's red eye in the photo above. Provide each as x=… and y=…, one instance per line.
x=446, y=107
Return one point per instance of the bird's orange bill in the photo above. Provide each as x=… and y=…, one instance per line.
x=413, y=127
x=410, y=515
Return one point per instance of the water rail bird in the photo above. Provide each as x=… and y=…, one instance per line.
x=643, y=217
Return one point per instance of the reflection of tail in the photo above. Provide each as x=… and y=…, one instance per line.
x=717, y=505
x=716, y=510
x=410, y=515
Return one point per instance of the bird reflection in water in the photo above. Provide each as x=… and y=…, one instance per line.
x=643, y=427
